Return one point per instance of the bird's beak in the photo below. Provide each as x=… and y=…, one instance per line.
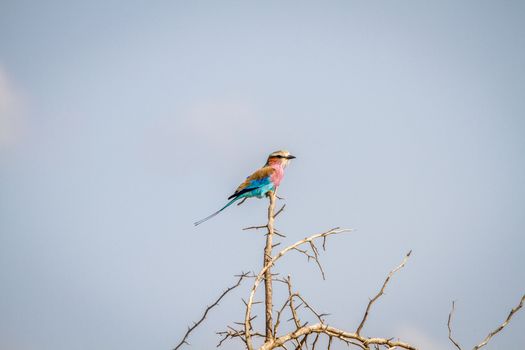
x=291, y=157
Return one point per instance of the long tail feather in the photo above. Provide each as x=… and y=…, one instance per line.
x=217, y=212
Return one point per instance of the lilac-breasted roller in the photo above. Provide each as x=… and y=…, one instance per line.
x=260, y=182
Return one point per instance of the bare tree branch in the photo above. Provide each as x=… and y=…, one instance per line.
x=255, y=227
x=450, y=327
x=293, y=309
x=268, y=273
x=506, y=322
x=195, y=324
x=315, y=341
x=381, y=292
x=314, y=257
x=271, y=263
x=280, y=210
x=289, y=301
x=306, y=305
x=278, y=318
x=276, y=232
x=234, y=333
x=335, y=333
x=302, y=343
x=491, y=334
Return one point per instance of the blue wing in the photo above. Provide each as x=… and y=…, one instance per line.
x=259, y=179
x=256, y=187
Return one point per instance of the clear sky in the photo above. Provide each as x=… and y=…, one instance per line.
x=123, y=122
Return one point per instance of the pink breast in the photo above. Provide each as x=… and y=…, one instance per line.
x=277, y=175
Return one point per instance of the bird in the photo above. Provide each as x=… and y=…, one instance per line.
x=258, y=184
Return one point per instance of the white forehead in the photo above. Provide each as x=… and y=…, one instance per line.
x=280, y=153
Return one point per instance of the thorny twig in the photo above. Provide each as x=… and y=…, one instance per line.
x=307, y=306
x=280, y=210
x=491, y=334
x=381, y=292
x=506, y=322
x=289, y=301
x=270, y=263
x=314, y=257
x=450, y=327
x=278, y=318
x=293, y=309
x=234, y=333
x=334, y=333
x=195, y=324
x=255, y=227
x=275, y=231
x=265, y=226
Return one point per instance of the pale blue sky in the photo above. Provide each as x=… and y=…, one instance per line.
x=123, y=122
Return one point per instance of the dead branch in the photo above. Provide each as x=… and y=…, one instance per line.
x=289, y=301
x=268, y=274
x=300, y=335
x=255, y=227
x=269, y=264
x=195, y=324
x=506, y=322
x=381, y=292
x=276, y=232
x=314, y=257
x=293, y=309
x=307, y=306
x=491, y=334
x=278, y=318
x=302, y=342
x=334, y=333
x=279, y=211
x=315, y=341
x=232, y=333
x=450, y=327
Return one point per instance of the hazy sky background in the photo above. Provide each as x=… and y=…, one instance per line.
x=123, y=122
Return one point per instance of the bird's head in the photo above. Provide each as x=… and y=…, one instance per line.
x=279, y=157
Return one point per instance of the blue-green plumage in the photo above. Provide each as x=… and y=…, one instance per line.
x=254, y=188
